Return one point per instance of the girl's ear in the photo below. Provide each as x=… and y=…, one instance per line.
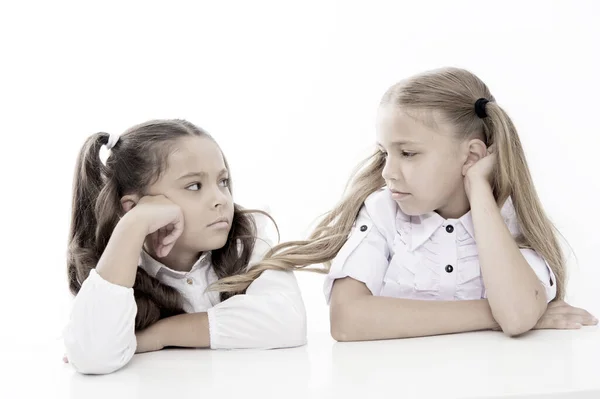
x=476, y=150
x=128, y=202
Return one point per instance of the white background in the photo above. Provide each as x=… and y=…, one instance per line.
x=289, y=90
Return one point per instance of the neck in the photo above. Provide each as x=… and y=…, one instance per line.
x=456, y=207
x=179, y=261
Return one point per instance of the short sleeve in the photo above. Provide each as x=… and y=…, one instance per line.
x=364, y=256
x=543, y=272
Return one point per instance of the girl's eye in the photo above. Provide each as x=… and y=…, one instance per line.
x=225, y=182
x=408, y=154
x=383, y=153
x=198, y=185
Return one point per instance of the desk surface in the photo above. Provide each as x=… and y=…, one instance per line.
x=471, y=365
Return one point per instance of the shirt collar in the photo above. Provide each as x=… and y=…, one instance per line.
x=420, y=228
x=154, y=267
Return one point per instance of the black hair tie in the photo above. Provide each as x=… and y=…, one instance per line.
x=480, y=107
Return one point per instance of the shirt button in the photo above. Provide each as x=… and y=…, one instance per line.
x=363, y=227
x=189, y=281
x=449, y=269
x=449, y=228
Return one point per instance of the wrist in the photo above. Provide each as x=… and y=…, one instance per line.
x=134, y=225
x=160, y=333
x=476, y=185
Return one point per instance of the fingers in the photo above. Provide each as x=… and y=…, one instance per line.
x=154, y=241
x=169, y=237
x=178, y=227
x=162, y=250
x=161, y=236
x=586, y=318
x=566, y=309
x=175, y=231
x=583, y=313
x=566, y=321
x=491, y=149
x=561, y=325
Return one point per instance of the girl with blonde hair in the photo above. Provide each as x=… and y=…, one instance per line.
x=441, y=230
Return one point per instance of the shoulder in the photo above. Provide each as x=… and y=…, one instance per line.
x=381, y=208
x=266, y=234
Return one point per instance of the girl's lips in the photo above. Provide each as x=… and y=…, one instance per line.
x=219, y=225
x=397, y=195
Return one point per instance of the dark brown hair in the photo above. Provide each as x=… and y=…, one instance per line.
x=138, y=160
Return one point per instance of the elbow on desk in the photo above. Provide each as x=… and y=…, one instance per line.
x=343, y=322
x=514, y=330
x=285, y=320
x=93, y=352
x=98, y=360
x=517, y=322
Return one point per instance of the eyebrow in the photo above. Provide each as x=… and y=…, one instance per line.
x=402, y=142
x=200, y=174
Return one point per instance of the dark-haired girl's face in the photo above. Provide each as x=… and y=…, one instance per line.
x=197, y=180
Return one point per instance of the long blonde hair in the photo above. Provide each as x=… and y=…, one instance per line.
x=452, y=92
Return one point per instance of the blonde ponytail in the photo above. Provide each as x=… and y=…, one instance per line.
x=514, y=179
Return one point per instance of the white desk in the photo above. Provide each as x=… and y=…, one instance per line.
x=551, y=364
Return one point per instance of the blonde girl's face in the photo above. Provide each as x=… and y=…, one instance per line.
x=423, y=165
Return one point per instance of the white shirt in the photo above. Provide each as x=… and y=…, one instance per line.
x=420, y=257
x=100, y=336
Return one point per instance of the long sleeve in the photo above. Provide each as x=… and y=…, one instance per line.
x=269, y=315
x=100, y=335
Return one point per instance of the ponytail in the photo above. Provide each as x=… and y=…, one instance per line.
x=514, y=179
x=95, y=213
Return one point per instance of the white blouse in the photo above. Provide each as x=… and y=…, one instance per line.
x=100, y=337
x=420, y=257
